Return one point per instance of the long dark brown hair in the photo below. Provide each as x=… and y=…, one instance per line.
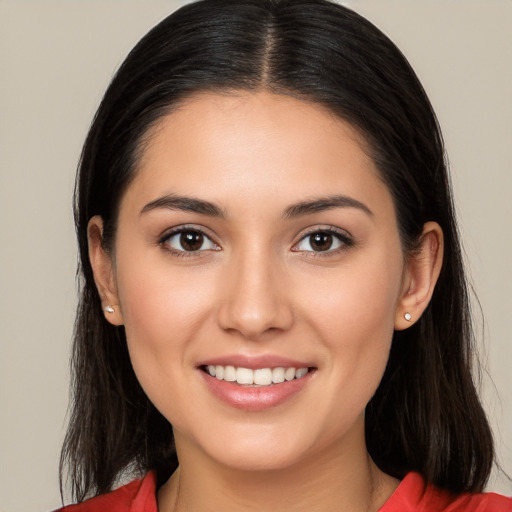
x=425, y=415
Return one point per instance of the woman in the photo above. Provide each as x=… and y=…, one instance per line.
x=271, y=265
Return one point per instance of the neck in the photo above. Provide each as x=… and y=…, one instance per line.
x=331, y=481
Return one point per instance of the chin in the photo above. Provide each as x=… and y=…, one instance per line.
x=257, y=459
x=251, y=447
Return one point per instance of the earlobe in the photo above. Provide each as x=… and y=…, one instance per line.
x=421, y=273
x=102, y=267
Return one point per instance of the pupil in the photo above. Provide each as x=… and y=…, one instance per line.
x=191, y=240
x=321, y=241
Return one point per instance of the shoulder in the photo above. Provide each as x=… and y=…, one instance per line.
x=137, y=496
x=415, y=495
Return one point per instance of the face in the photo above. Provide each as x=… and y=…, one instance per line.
x=258, y=243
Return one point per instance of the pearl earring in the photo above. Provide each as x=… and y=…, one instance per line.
x=408, y=316
x=108, y=309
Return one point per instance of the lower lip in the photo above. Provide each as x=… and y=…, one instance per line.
x=254, y=398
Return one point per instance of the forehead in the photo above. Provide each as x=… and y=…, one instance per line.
x=254, y=146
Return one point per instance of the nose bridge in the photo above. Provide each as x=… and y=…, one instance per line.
x=254, y=301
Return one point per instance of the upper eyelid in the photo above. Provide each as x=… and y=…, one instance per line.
x=346, y=239
x=164, y=239
x=166, y=234
x=342, y=233
x=325, y=229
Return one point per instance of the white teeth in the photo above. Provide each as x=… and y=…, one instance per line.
x=244, y=376
x=219, y=372
x=299, y=373
x=263, y=377
x=289, y=374
x=230, y=373
x=278, y=375
x=259, y=377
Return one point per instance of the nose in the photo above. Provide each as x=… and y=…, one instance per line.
x=255, y=298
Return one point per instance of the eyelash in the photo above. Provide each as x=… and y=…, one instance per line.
x=164, y=242
x=345, y=240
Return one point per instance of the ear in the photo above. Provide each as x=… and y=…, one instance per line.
x=103, y=270
x=420, y=276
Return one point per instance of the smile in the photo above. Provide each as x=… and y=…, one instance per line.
x=256, y=377
x=269, y=382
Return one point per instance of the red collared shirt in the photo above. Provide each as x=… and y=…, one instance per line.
x=410, y=496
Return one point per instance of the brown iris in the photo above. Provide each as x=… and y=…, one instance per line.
x=321, y=241
x=191, y=240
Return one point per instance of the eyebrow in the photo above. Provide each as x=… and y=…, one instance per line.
x=321, y=204
x=187, y=204
x=315, y=205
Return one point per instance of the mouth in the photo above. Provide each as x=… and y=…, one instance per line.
x=258, y=377
x=256, y=382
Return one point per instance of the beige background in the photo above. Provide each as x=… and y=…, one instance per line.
x=56, y=58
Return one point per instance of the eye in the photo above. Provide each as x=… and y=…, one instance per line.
x=189, y=240
x=323, y=241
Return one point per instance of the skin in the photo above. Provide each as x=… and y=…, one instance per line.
x=259, y=288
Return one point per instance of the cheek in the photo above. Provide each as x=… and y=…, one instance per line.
x=163, y=310
x=354, y=316
x=159, y=299
x=357, y=303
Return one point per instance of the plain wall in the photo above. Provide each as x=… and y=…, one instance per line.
x=56, y=59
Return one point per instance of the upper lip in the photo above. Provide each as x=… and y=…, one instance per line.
x=254, y=362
